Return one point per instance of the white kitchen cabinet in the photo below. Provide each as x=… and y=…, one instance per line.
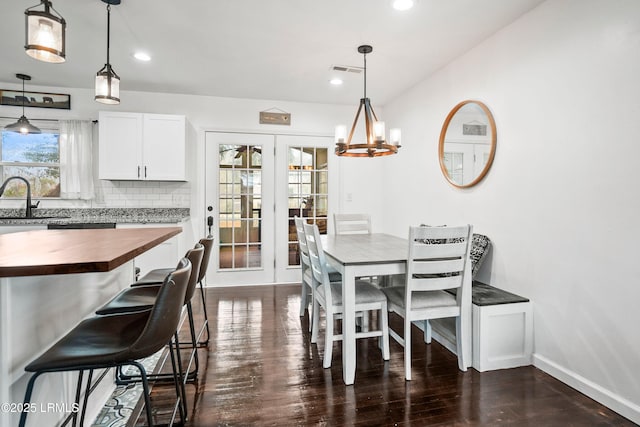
x=140, y=146
x=165, y=255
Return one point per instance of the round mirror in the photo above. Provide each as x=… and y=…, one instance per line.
x=467, y=144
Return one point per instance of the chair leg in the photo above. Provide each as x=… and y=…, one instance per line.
x=460, y=348
x=192, y=375
x=145, y=391
x=176, y=363
x=178, y=380
x=384, y=327
x=27, y=398
x=86, y=395
x=316, y=321
x=407, y=348
x=328, y=340
x=427, y=332
x=310, y=304
x=303, y=298
x=204, y=343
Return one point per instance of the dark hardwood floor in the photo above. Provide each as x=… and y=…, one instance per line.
x=261, y=370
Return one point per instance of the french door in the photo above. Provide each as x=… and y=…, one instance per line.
x=255, y=185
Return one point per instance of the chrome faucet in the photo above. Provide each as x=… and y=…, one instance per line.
x=28, y=212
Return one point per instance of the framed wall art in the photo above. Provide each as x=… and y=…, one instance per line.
x=35, y=99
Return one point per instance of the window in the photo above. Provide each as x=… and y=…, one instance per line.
x=308, y=192
x=35, y=157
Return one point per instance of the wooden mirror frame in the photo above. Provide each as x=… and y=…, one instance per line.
x=492, y=152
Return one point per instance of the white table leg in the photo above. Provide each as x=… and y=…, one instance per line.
x=348, y=326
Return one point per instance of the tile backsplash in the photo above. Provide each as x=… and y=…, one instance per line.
x=142, y=194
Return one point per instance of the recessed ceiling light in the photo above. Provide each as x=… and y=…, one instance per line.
x=141, y=56
x=402, y=4
x=336, y=81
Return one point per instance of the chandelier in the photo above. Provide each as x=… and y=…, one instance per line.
x=376, y=144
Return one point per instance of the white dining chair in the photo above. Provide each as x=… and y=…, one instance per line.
x=438, y=260
x=307, y=283
x=306, y=292
x=329, y=296
x=352, y=223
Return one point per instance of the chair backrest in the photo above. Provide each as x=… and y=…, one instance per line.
x=195, y=256
x=207, y=242
x=439, y=259
x=318, y=260
x=352, y=223
x=164, y=316
x=305, y=263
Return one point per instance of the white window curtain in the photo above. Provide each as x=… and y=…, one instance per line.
x=76, y=164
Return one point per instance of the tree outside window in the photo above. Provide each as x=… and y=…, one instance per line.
x=35, y=157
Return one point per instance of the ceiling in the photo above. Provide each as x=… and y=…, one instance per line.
x=262, y=49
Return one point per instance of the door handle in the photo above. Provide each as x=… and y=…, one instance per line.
x=209, y=223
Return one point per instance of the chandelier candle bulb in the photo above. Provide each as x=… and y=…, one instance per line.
x=378, y=131
x=395, y=136
x=340, y=134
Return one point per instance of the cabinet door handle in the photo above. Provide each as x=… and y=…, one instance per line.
x=145, y=171
x=138, y=171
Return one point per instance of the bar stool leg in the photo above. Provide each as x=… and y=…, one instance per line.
x=192, y=375
x=145, y=391
x=178, y=378
x=27, y=398
x=204, y=343
x=86, y=396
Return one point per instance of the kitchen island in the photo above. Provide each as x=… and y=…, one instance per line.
x=49, y=281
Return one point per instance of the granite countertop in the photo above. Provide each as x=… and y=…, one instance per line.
x=95, y=215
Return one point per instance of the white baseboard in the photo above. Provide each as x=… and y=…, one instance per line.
x=616, y=403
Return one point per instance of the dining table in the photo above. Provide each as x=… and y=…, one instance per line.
x=358, y=255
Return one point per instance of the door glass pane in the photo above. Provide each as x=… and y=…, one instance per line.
x=308, y=192
x=240, y=220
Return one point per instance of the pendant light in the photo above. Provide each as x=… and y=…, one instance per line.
x=107, y=81
x=22, y=125
x=375, y=145
x=45, y=33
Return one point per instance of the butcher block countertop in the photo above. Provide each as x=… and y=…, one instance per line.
x=34, y=253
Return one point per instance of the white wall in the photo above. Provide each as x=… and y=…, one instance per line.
x=560, y=203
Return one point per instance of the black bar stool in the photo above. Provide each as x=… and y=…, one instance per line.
x=155, y=276
x=120, y=340
x=142, y=295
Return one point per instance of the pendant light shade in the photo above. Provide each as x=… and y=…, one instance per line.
x=107, y=86
x=22, y=125
x=107, y=81
x=45, y=33
x=375, y=144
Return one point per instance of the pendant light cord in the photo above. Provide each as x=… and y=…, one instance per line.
x=23, y=97
x=365, y=75
x=108, y=31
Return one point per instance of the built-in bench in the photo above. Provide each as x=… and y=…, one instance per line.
x=502, y=328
